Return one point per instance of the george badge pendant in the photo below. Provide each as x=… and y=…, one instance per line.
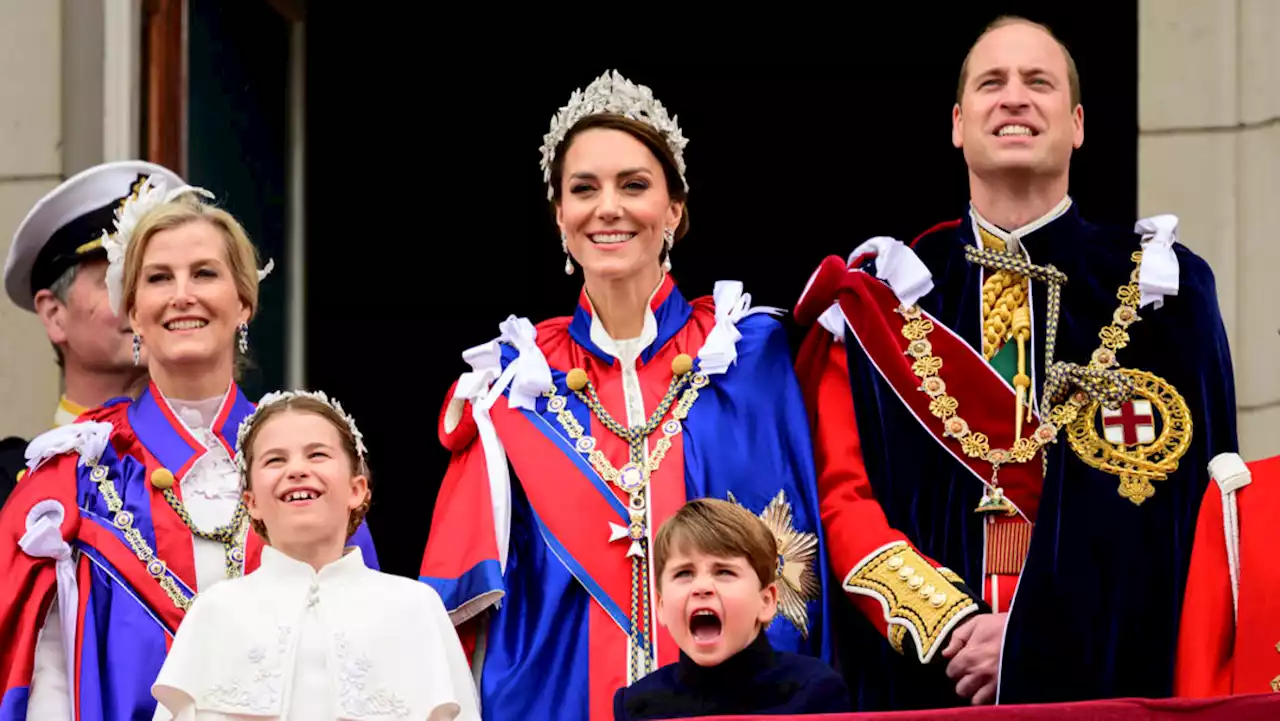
x=993, y=500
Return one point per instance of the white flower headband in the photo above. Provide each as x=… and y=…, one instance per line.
x=612, y=93
x=279, y=396
x=146, y=198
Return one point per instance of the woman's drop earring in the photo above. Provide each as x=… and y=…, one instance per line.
x=137, y=348
x=568, y=259
x=668, y=240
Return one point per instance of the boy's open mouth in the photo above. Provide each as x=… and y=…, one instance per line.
x=704, y=625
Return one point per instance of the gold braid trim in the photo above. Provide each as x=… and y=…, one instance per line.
x=1003, y=293
x=1007, y=292
x=920, y=599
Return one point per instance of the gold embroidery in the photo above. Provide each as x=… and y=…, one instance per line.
x=797, y=552
x=916, y=595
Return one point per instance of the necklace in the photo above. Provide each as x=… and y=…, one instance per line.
x=633, y=477
x=1096, y=382
x=230, y=535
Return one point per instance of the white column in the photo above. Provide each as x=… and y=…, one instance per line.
x=121, y=79
x=30, y=166
x=1209, y=152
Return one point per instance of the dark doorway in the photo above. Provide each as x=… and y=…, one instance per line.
x=428, y=221
x=237, y=115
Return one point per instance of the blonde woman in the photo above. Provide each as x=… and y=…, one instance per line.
x=131, y=512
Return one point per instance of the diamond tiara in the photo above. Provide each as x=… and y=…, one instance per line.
x=612, y=93
x=279, y=396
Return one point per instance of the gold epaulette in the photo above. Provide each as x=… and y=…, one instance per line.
x=917, y=598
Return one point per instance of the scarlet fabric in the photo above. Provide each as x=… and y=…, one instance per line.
x=1218, y=653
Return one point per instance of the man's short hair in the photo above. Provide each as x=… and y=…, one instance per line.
x=61, y=289
x=718, y=528
x=1073, y=75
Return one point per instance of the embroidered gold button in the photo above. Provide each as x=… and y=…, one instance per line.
x=162, y=478
x=927, y=591
x=938, y=599
x=906, y=573
x=915, y=582
x=1275, y=684
x=895, y=563
x=21, y=473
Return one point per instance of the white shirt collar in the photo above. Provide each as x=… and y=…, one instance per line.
x=626, y=350
x=1012, y=239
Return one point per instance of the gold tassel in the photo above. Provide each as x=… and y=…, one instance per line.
x=1021, y=381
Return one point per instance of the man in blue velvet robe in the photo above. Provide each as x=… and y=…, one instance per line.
x=1022, y=400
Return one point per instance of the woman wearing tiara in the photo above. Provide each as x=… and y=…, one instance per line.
x=573, y=440
x=130, y=512
x=313, y=635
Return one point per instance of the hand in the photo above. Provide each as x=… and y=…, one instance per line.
x=974, y=651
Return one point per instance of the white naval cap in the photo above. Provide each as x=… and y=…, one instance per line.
x=65, y=227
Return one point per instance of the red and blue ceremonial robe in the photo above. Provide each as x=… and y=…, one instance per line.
x=89, y=526
x=534, y=551
x=1089, y=558
x=1230, y=642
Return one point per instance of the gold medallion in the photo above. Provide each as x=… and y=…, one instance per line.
x=1141, y=441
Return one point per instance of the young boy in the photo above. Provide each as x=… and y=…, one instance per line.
x=716, y=563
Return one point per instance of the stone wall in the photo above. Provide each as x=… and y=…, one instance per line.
x=1209, y=152
x=30, y=166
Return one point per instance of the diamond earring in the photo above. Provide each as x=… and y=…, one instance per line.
x=137, y=348
x=244, y=339
x=668, y=240
x=568, y=259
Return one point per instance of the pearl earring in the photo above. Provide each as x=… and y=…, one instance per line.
x=668, y=240
x=568, y=259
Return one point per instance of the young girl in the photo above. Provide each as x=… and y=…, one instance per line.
x=313, y=633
